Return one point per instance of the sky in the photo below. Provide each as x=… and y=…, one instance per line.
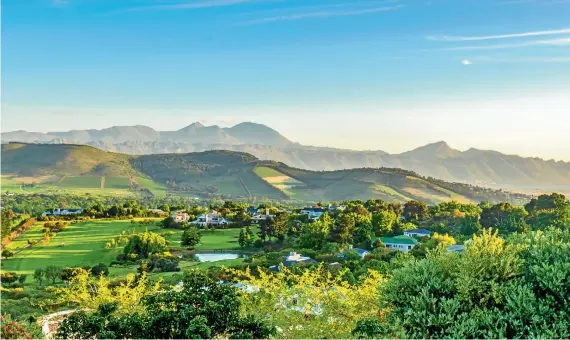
x=386, y=75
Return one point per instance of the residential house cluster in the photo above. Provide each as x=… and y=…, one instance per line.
x=211, y=219
x=62, y=212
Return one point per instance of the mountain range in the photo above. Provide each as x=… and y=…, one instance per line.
x=438, y=160
x=82, y=169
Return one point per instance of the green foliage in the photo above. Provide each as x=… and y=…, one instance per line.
x=8, y=277
x=13, y=329
x=202, y=308
x=191, y=237
x=144, y=244
x=52, y=273
x=497, y=289
x=39, y=275
x=415, y=211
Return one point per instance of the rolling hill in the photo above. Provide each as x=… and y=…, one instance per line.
x=438, y=160
x=218, y=173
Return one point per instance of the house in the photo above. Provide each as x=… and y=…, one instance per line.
x=298, y=259
x=62, y=212
x=180, y=217
x=402, y=243
x=157, y=211
x=458, y=248
x=258, y=218
x=313, y=213
x=361, y=252
x=418, y=233
x=252, y=211
x=210, y=219
x=337, y=207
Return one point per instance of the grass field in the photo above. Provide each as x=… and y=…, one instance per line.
x=34, y=233
x=290, y=186
x=79, y=185
x=84, y=245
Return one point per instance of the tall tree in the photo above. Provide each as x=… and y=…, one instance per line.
x=416, y=211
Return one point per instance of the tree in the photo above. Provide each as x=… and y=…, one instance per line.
x=438, y=239
x=201, y=308
x=497, y=289
x=9, y=277
x=248, y=237
x=191, y=237
x=22, y=278
x=169, y=222
x=52, y=273
x=383, y=221
x=100, y=269
x=303, y=303
x=241, y=238
x=6, y=253
x=504, y=217
x=344, y=228
x=39, y=275
x=144, y=244
x=416, y=211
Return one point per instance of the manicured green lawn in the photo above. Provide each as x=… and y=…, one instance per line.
x=34, y=233
x=84, y=245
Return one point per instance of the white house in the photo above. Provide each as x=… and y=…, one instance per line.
x=210, y=219
x=337, y=207
x=417, y=233
x=259, y=217
x=401, y=243
x=313, y=213
x=180, y=217
x=62, y=212
x=296, y=258
x=458, y=248
x=361, y=252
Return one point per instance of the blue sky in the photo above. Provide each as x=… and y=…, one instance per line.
x=362, y=74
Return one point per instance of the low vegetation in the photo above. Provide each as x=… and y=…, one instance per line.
x=487, y=270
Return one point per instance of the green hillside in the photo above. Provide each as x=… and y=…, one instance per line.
x=221, y=174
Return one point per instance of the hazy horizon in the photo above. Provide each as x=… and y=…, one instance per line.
x=387, y=75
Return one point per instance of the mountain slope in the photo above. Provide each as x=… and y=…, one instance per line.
x=229, y=174
x=243, y=133
x=438, y=160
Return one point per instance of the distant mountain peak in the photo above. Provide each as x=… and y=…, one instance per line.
x=192, y=127
x=438, y=149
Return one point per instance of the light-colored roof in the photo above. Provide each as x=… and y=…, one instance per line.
x=397, y=240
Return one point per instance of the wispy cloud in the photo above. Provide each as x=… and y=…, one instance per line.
x=501, y=36
x=187, y=5
x=322, y=14
x=540, y=2
x=550, y=42
x=491, y=60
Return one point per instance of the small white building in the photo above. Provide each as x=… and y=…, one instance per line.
x=261, y=217
x=313, y=213
x=401, y=243
x=180, y=217
x=62, y=212
x=210, y=219
x=417, y=233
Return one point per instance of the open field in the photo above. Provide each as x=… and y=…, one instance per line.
x=84, y=245
x=290, y=186
x=35, y=233
x=79, y=185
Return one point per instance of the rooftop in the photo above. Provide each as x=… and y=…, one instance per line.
x=397, y=240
